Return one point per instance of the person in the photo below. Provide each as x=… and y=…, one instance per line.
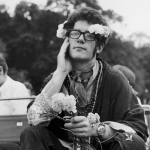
x=10, y=88
x=99, y=90
x=129, y=74
x=29, y=87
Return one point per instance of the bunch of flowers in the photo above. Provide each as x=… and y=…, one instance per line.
x=60, y=103
x=95, y=28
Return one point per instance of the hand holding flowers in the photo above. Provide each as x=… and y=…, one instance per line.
x=82, y=126
x=79, y=125
x=60, y=103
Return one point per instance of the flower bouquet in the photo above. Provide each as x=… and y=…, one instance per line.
x=60, y=103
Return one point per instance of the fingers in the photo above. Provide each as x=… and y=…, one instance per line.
x=78, y=130
x=77, y=119
x=74, y=125
x=77, y=122
x=81, y=132
x=64, y=46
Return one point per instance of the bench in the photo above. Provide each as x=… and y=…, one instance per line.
x=146, y=108
x=11, y=126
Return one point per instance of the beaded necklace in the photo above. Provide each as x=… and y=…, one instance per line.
x=78, y=79
x=97, y=83
x=83, y=111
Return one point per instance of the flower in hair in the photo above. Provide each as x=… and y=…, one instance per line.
x=61, y=32
x=94, y=119
x=100, y=29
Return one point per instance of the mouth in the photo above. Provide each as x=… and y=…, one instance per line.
x=78, y=47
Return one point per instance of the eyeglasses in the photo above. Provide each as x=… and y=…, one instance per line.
x=75, y=34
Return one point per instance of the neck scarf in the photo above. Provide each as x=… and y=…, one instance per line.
x=76, y=85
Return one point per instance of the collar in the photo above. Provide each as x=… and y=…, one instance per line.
x=77, y=77
x=5, y=85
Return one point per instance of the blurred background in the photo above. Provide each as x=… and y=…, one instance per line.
x=29, y=43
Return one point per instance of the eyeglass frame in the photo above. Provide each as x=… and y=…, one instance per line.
x=81, y=33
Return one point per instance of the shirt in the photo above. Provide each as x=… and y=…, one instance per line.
x=13, y=89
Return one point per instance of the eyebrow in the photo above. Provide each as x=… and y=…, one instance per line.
x=80, y=30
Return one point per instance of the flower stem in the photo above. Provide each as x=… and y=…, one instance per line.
x=60, y=117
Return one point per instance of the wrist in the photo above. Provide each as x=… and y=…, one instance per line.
x=58, y=78
x=61, y=72
x=101, y=130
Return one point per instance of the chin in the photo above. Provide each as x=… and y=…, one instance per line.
x=79, y=58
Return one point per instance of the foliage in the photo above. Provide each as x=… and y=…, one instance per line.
x=19, y=75
x=66, y=6
x=124, y=53
x=28, y=39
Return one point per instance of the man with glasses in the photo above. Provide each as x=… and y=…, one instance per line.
x=108, y=115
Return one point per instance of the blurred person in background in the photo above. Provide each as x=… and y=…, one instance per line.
x=10, y=88
x=29, y=87
x=129, y=74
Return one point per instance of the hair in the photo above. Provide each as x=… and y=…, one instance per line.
x=127, y=72
x=90, y=15
x=3, y=64
x=28, y=85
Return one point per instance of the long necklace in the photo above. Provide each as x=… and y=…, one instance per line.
x=97, y=83
x=89, y=107
x=77, y=77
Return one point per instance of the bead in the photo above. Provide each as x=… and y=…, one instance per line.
x=89, y=107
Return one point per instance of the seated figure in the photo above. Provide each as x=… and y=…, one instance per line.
x=100, y=91
x=10, y=88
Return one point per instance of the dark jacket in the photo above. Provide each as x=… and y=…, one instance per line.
x=115, y=102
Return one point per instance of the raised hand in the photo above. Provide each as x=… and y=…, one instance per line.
x=63, y=63
x=80, y=126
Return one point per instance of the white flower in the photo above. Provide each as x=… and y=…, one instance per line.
x=94, y=119
x=57, y=102
x=70, y=104
x=61, y=32
x=100, y=29
x=61, y=102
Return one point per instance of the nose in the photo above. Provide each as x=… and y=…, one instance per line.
x=81, y=38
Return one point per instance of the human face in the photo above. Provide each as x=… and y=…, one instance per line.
x=81, y=49
x=2, y=76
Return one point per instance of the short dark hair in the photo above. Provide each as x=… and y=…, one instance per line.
x=90, y=15
x=3, y=64
x=129, y=74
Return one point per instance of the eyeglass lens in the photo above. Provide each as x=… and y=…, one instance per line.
x=76, y=34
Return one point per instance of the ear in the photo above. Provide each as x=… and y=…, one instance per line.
x=1, y=70
x=99, y=49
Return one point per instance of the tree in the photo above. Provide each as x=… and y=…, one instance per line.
x=65, y=7
x=125, y=53
x=29, y=40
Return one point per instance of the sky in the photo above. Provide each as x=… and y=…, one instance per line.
x=136, y=13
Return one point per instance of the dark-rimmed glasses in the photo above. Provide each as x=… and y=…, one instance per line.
x=75, y=34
